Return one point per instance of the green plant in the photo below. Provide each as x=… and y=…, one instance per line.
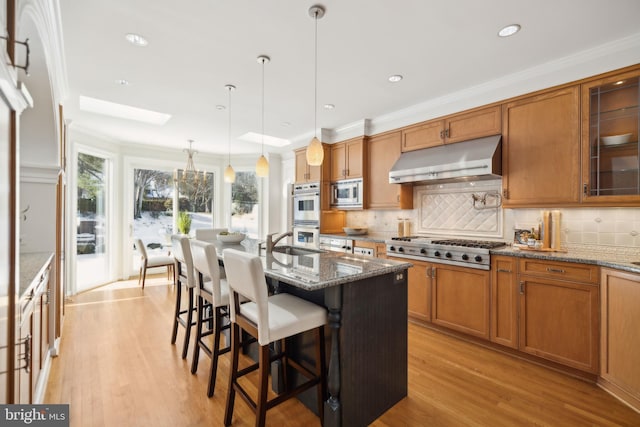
x=184, y=222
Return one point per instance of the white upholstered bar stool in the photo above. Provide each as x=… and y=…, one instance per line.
x=213, y=305
x=269, y=319
x=210, y=235
x=184, y=274
x=147, y=261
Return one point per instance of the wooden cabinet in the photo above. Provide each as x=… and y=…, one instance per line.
x=455, y=128
x=348, y=159
x=383, y=151
x=610, y=158
x=559, y=312
x=460, y=299
x=541, y=145
x=306, y=173
x=24, y=351
x=418, y=289
x=504, y=301
x=620, y=335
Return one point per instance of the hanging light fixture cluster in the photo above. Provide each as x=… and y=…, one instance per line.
x=315, y=152
x=190, y=173
x=229, y=173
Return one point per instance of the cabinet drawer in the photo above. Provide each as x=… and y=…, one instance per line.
x=560, y=270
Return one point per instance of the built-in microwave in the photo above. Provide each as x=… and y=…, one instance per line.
x=347, y=194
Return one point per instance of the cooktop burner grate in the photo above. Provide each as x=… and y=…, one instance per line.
x=483, y=244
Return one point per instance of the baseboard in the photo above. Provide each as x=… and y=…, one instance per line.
x=619, y=393
x=41, y=386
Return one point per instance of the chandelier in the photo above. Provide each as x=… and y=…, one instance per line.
x=190, y=173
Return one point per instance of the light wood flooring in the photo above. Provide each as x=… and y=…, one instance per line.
x=117, y=368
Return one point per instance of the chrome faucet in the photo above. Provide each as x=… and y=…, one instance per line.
x=271, y=243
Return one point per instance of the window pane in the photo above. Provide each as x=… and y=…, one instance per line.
x=196, y=198
x=244, y=204
x=153, y=208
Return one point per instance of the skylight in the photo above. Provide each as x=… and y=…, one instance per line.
x=99, y=106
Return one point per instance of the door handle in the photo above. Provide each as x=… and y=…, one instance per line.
x=521, y=288
x=503, y=270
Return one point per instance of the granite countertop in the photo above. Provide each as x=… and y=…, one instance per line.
x=613, y=257
x=31, y=268
x=317, y=270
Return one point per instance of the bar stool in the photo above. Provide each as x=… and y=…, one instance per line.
x=268, y=319
x=213, y=305
x=184, y=276
x=154, y=261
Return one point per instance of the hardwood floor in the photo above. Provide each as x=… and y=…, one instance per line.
x=117, y=368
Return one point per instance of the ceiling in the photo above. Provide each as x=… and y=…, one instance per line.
x=197, y=47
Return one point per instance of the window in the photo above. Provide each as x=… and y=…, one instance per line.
x=245, y=209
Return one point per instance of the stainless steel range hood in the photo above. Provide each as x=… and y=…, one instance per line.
x=477, y=159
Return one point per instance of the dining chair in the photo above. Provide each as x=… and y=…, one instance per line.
x=147, y=261
x=212, y=306
x=184, y=274
x=269, y=319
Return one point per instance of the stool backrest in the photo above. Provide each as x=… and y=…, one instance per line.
x=182, y=254
x=205, y=261
x=141, y=248
x=245, y=276
x=208, y=234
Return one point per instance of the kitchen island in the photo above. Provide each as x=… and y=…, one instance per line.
x=366, y=335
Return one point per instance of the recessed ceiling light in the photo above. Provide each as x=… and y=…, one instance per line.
x=395, y=78
x=220, y=107
x=268, y=140
x=329, y=106
x=509, y=30
x=99, y=106
x=122, y=82
x=136, y=39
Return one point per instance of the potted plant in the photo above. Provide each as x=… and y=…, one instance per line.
x=184, y=222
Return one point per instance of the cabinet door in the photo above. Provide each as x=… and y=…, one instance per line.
x=338, y=161
x=383, y=151
x=302, y=169
x=419, y=290
x=541, y=148
x=23, y=362
x=504, y=301
x=425, y=135
x=476, y=124
x=36, y=341
x=355, y=159
x=460, y=299
x=559, y=321
x=610, y=128
x=620, y=338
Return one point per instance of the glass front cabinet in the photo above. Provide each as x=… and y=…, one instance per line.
x=610, y=123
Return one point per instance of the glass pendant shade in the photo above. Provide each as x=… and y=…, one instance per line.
x=315, y=152
x=229, y=175
x=262, y=167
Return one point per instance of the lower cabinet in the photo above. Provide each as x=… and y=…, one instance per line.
x=23, y=366
x=460, y=299
x=548, y=309
x=419, y=290
x=620, y=334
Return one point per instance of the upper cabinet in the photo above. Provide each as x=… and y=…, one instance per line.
x=456, y=128
x=348, y=159
x=610, y=159
x=541, y=145
x=383, y=151
x=306, y=173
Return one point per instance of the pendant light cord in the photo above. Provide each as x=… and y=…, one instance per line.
x=315, y=79
x=229, y=127
x=262, y=150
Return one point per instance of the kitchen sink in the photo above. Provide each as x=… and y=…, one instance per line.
x=295, y=250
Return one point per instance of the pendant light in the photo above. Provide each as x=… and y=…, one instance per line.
x=315, y=152
x=229, y=173
x=262, y=166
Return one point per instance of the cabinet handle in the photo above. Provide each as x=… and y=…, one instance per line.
x=505, y=193
x=503, y=270
x=555, y=270
x=26, y=356
x=584, y=189
x=433, y=273
x=429, y=272
x=447, y=131
x=441, y=134
x=521, y=288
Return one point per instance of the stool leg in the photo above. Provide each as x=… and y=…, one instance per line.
x=233, y=375
x=176, y=314
x=187, y=332
x=263, y=374
x=144, y=274
x=215, y=351
x=198, y=337
x=320, y=364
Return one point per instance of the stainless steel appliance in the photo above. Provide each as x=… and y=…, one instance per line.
x=306, y=204
x=465, y=253
x=363, y=251
x=336, y=245
x=347, y=194
x=308, y=236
